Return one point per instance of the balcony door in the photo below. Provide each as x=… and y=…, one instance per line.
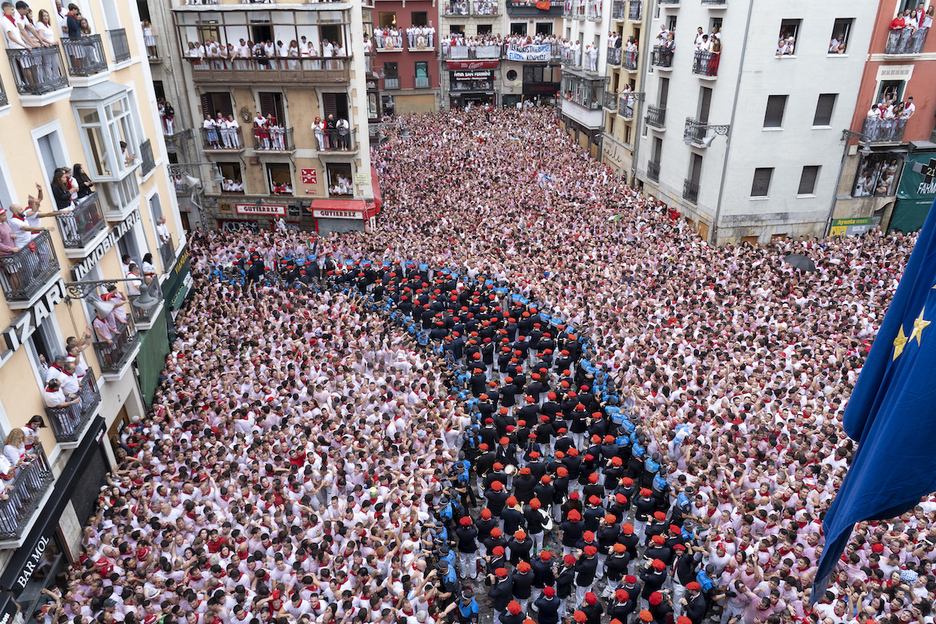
x=695, y=169
x=664, y=92
x=705, y=105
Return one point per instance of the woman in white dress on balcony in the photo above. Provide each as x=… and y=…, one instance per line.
x=90, y=54
x=293, y=54
x=149, y=40
x=49, y=67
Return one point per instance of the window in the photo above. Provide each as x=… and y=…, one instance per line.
x=511, y=74
x=387, y=20
x=45, y=341
x=627, y=134
x=761, y=185
x=705, y=105
x=231, y=180
x=271, y=103
x=155, y=207
x=840, y=33
x=50, y=153
x=824, y=108
x=214, y=103
x=279, y=178
x=695, y=169
x=671, y=23
x=807, y=181
x=339, y=180
x=391, y=70
x=109, y=136
x=518, y=28
x=419, y=18
x=7, y=196
x=533, y=73
x=657, y=154
x=789, y=32
x=891, y=90
x=776, y=104
x=544, y=28
x=664, y=92
x=485, y=29
x=715, y=25
x=457, y=29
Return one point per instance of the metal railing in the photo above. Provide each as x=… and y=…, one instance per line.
x=656, y=116
x=695, y=131
x=273, y=140
x=471, y=52
x=906, y=41
x=593, y=10
x=626, y=106
x=223, y=138
x=24, y=492
x=80, y=226
x=146, y=155
x=669, y=2
x=653, y=171
x=715, y=2
x=152, y=47
x=167, y=253
x=338, y=142
x=884, y=130
x=119, y=44
x=3, y=96
x=610, y=100
x=421, y=82
x=690, y=191
x=705, y=63
x=572, y=57
x=619, y=9
x=391, y=82
x=25, y=272
x=112, y=357
x=37, y=71
x=85, y=55
x=635, y=10
x=483, y=8
x=662, y=56
x=68, y=421
x=259, y=71
x=614, y=56
x=629, y=60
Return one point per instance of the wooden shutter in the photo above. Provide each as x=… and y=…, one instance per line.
x=223, y=104
x=206, y=105
x=268, y=104
x=330, y=104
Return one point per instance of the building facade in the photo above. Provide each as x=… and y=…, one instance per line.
x=276, y=100
x=628, y=57
x=405, y=41
x=726, y=127
x=584, y=58
x=883, y=180
x=88, y=105
x=531, y=72
x=469, y=66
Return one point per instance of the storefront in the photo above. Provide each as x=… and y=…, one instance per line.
x=915, y=193
x=472, y=82
x=55, y=539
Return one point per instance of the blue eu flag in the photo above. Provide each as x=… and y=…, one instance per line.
x=892, y=412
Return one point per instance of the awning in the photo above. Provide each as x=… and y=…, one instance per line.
x=339, y=204
x=24, y=561
x=472, y=64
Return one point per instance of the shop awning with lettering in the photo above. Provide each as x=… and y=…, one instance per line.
x=477, y=64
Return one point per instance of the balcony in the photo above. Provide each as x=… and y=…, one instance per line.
x=119, y=45
x=619, y=10
x=884, y=130
x=472, y=52
x=695, y=132
x=662, y=57
x=39, y=75
x=222, y=139
x=572, y=58
x=629, y=61
x=143, y=316
x=422, y=82
x=167, y=253
x=635, y=13
x=3, y=96
x=27, y=273
x=120, y=198
x=653, y=171
x=24, y=493
x=115, y=357
x=906, y=41
x=148, y=163
x=83, y=228
x=85, y=55
x=690, y=191
x=340, y=148
x=626, y=106
x=273, y=140
x=457, y=8
x=614, y=56
x=152, y=48
x=656, y=117
x=611, y=101
x=391, y=83
x=251, y=72
x=671, y=4
x=484, y=8
x=593, y=11
x=705, y=64
x=68, y=422
x=715, y=4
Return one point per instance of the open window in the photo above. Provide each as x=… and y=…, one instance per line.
x=840, y=33
x=786, y=41
x=339, y=180
x=109, y=136
x=279, y=178
x=231, y=179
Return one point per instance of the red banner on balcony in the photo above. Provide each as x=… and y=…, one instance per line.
x=543, y=5
x=472, y=64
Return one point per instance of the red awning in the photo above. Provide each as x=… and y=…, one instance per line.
x=472, y=64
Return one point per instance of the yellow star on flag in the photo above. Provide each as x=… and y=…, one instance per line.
x=918, y=326
x=899, y=343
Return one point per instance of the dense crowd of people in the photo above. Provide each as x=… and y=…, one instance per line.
x=529, y=395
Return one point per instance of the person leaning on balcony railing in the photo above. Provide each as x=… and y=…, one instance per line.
x=74, y=348
x=113, y=295
x=31, y=431
x=16, y=38
x=7, y=241
x=23, y=232
x=162, y=231
x=54, y=396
